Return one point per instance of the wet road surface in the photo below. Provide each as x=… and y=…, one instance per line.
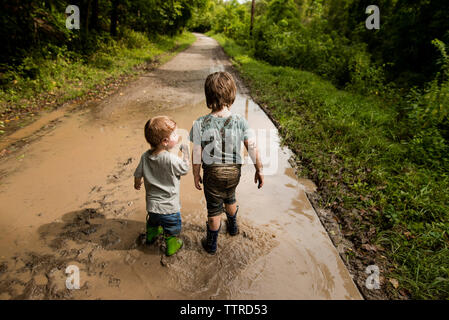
x=67, y=198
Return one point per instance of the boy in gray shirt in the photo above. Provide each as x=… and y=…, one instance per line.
x=161, y=172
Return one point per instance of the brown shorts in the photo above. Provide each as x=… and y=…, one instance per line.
x=220, y=182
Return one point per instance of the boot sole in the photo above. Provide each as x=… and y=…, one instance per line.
x=212, y=253
x=209, y=252
x=233, y=234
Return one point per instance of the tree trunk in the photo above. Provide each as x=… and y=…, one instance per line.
x=114, y=18
x=252, y=18
x=86, y=21
x=94, y=16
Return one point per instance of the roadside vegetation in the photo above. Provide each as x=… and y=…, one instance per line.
x=43, y=64
x=64, y=78
x=372, y=132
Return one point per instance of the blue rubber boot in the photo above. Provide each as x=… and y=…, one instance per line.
x=233, y=228
x=210, y=243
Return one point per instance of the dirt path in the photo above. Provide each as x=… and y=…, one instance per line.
x=67, y=198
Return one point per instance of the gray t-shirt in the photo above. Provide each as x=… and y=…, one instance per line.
x=161, y=174
x=220, y=138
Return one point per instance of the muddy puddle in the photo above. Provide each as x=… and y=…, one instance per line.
x=67, y=198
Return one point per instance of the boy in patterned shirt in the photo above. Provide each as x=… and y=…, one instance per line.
x=217, y=139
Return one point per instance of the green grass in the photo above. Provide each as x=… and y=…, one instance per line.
x=349, y=145
x=67, y=76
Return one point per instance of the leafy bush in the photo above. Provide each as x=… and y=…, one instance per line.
x=311, y=48
x=429, y=121
x=428, y=118
x=365, y=76
x=429, y=148
x=134, y=40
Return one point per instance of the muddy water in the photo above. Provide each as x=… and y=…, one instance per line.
x=67, y=198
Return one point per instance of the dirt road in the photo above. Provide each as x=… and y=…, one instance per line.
x=67, y=198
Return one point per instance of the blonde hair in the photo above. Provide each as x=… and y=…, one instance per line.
x=157, y=129
x=220, y=90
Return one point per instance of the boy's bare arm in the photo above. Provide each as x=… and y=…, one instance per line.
x=251, y=146
x=196, y=165
x=137, y=183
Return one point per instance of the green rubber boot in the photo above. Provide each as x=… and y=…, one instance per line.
x=173, y=245
x=153, y=233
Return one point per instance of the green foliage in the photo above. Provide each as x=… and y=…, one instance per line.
x=282, y=38
x=281, y=10
x=202, y=17
x=443, y=60
x=429, y=124
x=232, y=19
x=330, y=39
x=32, y=27
x=327, y=54
x=65, y=76
x=132, y=39
x=429, y=148
x=353, y=147
x=41, y=55
x=428, y=118
x=365, y=76
x=286, y=34
x=403, y=42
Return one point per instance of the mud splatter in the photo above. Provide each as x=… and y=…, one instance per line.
x=35, y=278
x=82, y=237
x=199, y=273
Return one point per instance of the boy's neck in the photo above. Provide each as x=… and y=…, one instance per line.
x=159, y=149
x=224, y=112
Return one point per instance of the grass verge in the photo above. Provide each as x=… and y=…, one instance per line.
x=394, y=211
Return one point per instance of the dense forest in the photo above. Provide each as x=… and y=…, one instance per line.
x=365, y=110
x=330, y=37
x=39, y=26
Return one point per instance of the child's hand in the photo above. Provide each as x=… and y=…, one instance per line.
x=137, y=183
x=258, y=177
x=198, y=180
x=184, y=148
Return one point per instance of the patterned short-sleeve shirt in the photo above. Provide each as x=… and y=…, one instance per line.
x=220, y=138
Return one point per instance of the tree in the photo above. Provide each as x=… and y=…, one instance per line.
x=252, y=17
x=114, y=17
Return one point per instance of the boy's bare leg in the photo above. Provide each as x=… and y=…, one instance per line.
x=214, y=222
x=231, y=208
